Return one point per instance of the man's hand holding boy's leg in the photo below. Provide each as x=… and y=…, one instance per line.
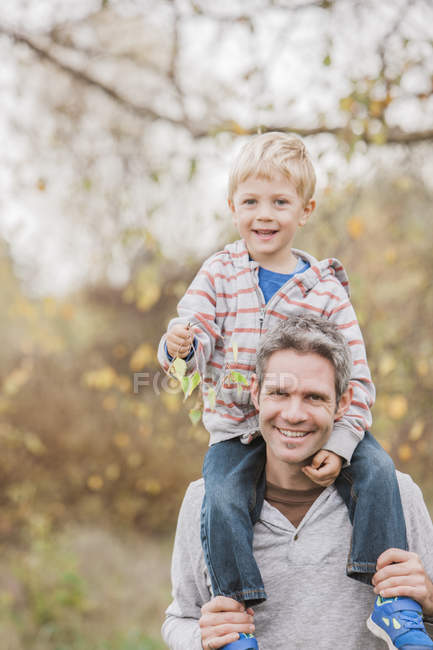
x=221, y=621
x=400, y=573
x=324, y=468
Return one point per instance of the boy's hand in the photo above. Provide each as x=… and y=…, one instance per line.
x=324, y=468
x=179, y=341
x=221, y=621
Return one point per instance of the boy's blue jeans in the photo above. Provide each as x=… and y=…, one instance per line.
x=235, y=486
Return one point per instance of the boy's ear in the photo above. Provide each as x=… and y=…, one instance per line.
x=308, y=209
x=233, y=211
x=344, y=403
x=255, y=391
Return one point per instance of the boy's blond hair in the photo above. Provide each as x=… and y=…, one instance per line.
x=265, y=154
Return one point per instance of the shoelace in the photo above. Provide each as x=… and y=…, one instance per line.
x=412, y=620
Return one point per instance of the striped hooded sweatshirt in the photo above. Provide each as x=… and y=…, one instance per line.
x=227, y=312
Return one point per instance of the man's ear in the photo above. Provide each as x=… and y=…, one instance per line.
x=344, y=403
x=255, y=391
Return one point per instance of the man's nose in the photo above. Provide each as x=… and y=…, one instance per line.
x=293, y=410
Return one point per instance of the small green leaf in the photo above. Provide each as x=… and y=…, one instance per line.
x=191, y=383
x=211, y=396
x=327, y=60
x=184, y=382
x=195, y=416
x=238, y=378
x=179, y=368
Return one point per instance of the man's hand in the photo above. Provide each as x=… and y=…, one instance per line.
x=179, y=340
x=324, y=468
x=400, y=573
x=221, y=621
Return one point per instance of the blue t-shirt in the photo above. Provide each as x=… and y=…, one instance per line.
x=270, y=282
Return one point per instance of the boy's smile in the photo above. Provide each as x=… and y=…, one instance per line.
x=267, y=214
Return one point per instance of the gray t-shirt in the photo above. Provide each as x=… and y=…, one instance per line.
x=312, y=604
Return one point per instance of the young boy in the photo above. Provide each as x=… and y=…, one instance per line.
x=237, y=295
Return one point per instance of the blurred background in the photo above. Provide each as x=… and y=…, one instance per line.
x=118, y=121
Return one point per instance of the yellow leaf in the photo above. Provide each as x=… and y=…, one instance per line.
x=416, y=431
x=112, y=472
x=123, y=383
x=404, y=452
x=95, y=482
x=149, y=485
x=148, y=296
x=134, y=460
x=16, y=379
x=355, y=227
x=122, y=440
x=397, y=407
x=387, y=364
x=34, y=445
x=101, y=379
x=143, y=356
x=50, y=306
x=391, y=254
x=422, y=367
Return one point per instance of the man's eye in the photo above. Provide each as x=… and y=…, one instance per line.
x=316, y=398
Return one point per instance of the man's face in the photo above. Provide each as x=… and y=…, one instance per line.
x=297, y=406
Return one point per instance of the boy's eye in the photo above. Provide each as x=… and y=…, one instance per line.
x=281, y=201
x=249, y=201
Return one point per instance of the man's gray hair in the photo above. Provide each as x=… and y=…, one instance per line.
x=308, y=334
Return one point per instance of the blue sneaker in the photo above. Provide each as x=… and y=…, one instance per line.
x=398, y=621
x=245, y=642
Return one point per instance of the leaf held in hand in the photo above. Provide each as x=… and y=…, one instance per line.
x=189, y=384
x=195, y=416
x=238, y=378
x=211, y=396
x=178, y=368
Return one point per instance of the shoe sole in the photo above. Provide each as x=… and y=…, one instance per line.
x=381, y=634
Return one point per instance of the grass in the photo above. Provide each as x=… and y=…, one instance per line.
x=84, y=589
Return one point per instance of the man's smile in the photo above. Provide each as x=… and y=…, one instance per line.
x=289, y=433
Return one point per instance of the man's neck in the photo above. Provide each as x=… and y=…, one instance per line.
x=288, y=477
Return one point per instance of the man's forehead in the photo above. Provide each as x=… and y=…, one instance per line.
x=292, y=370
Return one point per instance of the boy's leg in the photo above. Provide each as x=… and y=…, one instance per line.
x=370, y=490
x=234, y=493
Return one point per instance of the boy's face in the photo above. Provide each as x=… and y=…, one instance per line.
x=267, y=214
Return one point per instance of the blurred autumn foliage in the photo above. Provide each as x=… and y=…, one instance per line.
x=78, y=444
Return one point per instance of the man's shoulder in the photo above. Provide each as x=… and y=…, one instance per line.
x=406, y=483
x=411, y=494
x=194, y=494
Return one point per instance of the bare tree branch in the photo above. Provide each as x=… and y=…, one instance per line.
x=394, y=135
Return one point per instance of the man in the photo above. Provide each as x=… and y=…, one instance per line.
x=302, y=538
